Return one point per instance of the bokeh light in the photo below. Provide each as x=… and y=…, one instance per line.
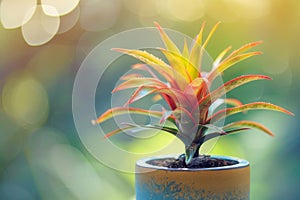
x=25, y=100
x=68, y=21
x=40, y=20
x=16, y=13
x=235, y=10
x=185, y=10
x=41, y=28
x=41, y=155
x=62, y=7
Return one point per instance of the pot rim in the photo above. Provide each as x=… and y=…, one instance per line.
x=241, y=163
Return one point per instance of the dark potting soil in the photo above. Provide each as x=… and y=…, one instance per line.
x=203, y=161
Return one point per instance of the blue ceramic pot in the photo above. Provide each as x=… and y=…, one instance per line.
x=161, y=183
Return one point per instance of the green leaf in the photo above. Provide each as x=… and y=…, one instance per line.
x=209, y=136
x=213, y=127
x=250, y=124
x=251, y=106
x=194, y=147
x=232, y=131
x=173, y=131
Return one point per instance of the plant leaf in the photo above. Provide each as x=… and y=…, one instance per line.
x=140, y=93
x=219, y=102
x=144, y=56
x=156, y=63
x=217, y=134
x=251, y=106
x=249, y=124
x=137, y=82
x=233, y=102
x=143, y=67
x=228, y=86
x=178, y=113
x=116, y=131
x=194, y=55
x=194, y=87
x=213, y=127
x=244, y=48
x=125, y=110
x=144, y=91
x=171, y=95
x=213, y=30
x=202, y=49
x=181, y=66
x=220, y=57
x=185, y=51
x=228, y=63
x=173, y=131
x=167, y=41
x=130, y=76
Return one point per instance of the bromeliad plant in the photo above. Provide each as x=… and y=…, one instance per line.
x=186, y=90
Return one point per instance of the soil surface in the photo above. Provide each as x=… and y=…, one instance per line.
x=203, y=161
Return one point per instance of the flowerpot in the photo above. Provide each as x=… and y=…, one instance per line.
x=162, y=183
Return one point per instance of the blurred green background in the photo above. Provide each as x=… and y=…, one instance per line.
x=41, y=155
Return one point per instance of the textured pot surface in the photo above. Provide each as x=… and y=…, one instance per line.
x=161, y=183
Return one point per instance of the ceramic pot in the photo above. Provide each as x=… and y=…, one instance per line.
x=161, y=183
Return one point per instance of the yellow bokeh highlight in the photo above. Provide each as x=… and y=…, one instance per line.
x=68, y=21
x=15, y=13
x=63, y=7
x=185, y=10
x=236, y=10
x=41, y=28
x=25, y=100
x=40, y=20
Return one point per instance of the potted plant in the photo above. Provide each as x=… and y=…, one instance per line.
x=192, y=113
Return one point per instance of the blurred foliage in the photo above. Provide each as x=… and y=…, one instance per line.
x=41, y=155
